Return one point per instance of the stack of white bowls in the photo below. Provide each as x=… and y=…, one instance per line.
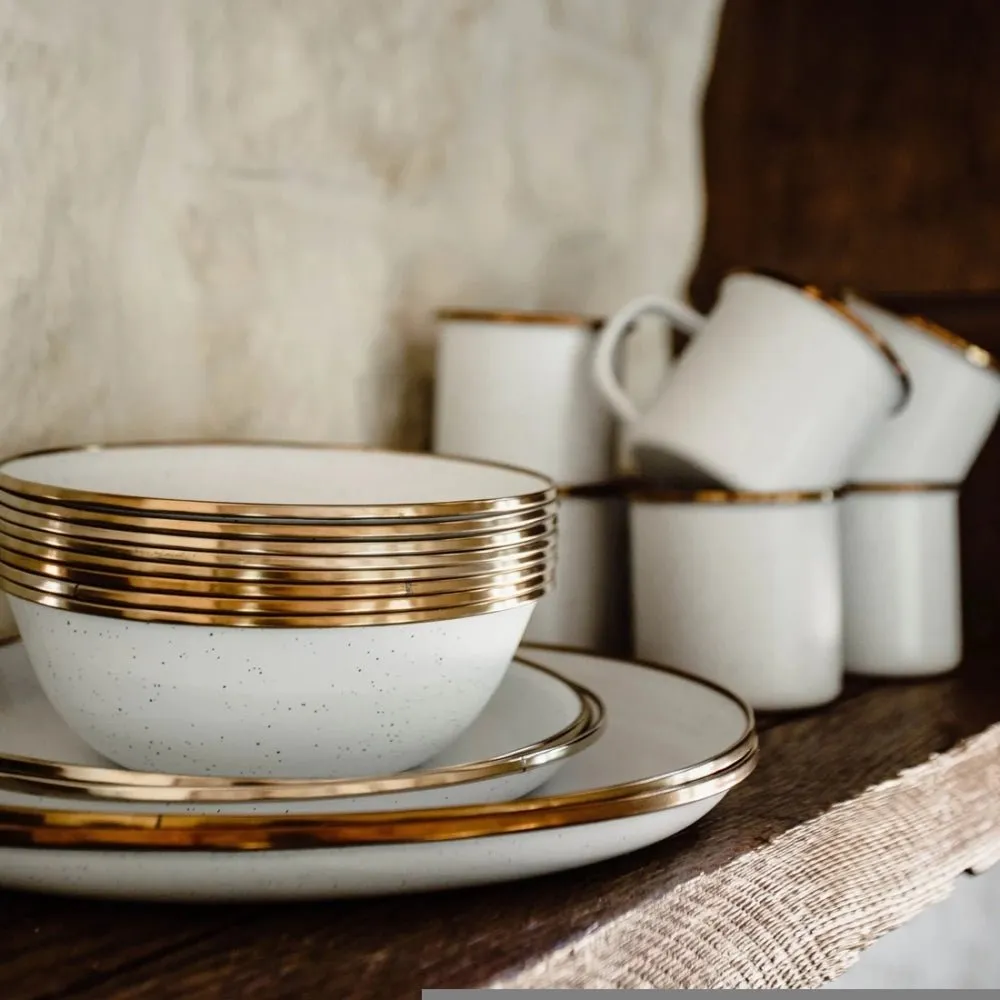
x=278, y=610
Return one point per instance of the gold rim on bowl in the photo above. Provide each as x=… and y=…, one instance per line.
x=240, y=560
x=214, y=604
x=446, y=508
x=162, y=583
x=139, y=540
x=52, y=777
x=226, y=620
x=268, y=531
x=76, y=559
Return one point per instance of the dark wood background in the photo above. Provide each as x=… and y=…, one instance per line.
x=857, y=142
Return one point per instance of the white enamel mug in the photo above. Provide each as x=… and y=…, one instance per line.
x=515, y=387
x=778, y=390
x=953, y=408
x=742, y=589
x=588, y=606
x=902, y=580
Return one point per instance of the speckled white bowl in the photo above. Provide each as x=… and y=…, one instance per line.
x=283, y=702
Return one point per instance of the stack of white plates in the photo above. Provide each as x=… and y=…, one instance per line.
x=671, y=748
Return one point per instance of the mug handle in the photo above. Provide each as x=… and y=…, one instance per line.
x=682, y=316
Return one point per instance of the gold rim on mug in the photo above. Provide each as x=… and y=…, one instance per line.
x=445, y=508
x=165, y=584
x=113, y=784
x=99, y=609
x=209, y=573
x=63, y=829
x=874, y=338
x=656, y=495
x=527, y=317
x=139, y=540
x=270, y=531
x=900, y=488
x=213, y=604
x=261, y=560
x=973, y=353
x=977, y=356
x=712, y=776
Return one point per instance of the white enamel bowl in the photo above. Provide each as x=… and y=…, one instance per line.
x=278, y=702
x=529, y=707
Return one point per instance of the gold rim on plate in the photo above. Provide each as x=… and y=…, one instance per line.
x=100, y=609
x=127, y=541
x=445, y=508
x=265, y=560
x=70, y=829
x=112, y=784
x=268, y=531
x=74, y=830
x=75, y=559
x=211, y=604
x=158, y=583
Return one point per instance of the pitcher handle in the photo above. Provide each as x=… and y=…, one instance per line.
x=682, y=316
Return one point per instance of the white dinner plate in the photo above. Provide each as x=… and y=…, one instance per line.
x=529, y=709
x=673, y=746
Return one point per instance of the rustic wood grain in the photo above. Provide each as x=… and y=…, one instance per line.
x=855, y=142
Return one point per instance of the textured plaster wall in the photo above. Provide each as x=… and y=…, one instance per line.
x=234, y=217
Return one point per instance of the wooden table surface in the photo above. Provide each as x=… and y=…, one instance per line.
x=820, y=775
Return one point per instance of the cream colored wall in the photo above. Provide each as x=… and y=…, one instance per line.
x=235, y=217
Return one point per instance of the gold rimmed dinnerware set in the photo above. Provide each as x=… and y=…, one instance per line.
x=283, y=671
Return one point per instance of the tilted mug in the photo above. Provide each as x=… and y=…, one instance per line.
x=778, y=389
x=955, y=404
